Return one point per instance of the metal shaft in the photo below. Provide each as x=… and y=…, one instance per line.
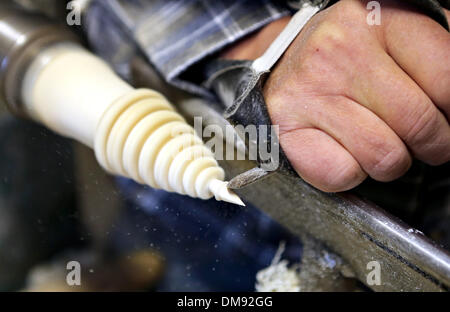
x=23, y=34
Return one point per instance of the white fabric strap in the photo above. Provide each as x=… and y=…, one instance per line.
x=282, y=42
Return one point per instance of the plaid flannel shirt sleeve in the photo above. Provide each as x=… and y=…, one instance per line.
x=174, y=34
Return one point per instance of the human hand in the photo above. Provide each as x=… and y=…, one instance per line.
x=353, y=100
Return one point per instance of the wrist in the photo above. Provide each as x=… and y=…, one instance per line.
x=253, y=46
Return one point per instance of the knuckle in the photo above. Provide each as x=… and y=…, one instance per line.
x=437, y=153
x=440, y=160
x=328, y=43
x=428, y=138
x=390, y=164
x=342, y=177
x=421, y=125
x=348, y=6
x=328, y=37
x=442, y=90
